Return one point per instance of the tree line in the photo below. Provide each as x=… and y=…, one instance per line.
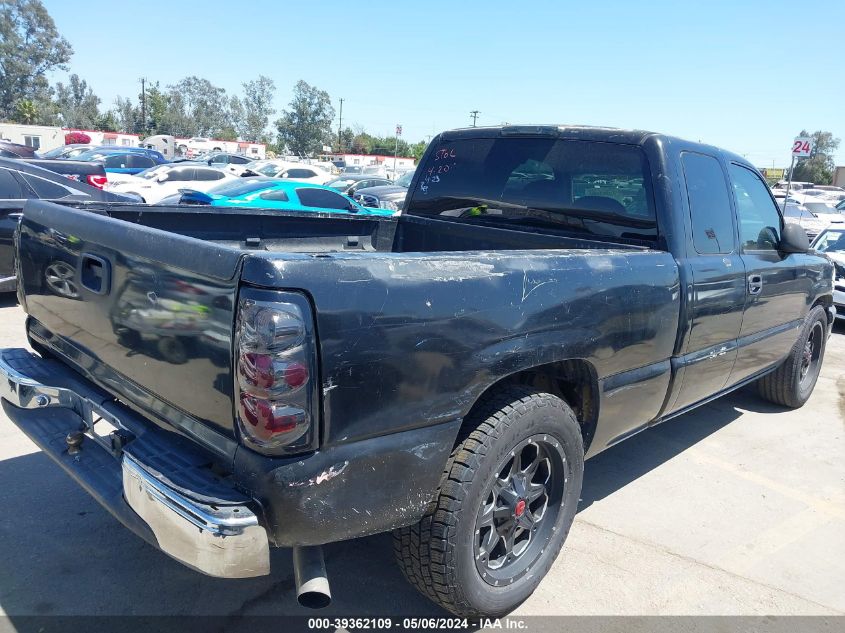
x=31, y=47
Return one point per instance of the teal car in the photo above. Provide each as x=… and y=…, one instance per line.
x=269, y=193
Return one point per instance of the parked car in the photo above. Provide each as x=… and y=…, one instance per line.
x=16, y=150
x=831, y=242
x=348, y=185
x=299, y=172
x=823, y=209
x=390, y=197
x=157, y=183
x=90, y=173
x=68, y=151
x=21, y=180
x=796, y=185
x=442, y=374
x=219, y=159
x=798, y=214
x=269, y=193
x=124, y=161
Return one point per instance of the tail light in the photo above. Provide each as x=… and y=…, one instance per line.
x=96, y=181
x=275, y=372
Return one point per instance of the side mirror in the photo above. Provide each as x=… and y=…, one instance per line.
x=794, y=239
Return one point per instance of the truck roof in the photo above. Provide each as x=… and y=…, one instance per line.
x=585, y=133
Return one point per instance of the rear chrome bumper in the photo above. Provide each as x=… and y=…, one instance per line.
x=215, y=536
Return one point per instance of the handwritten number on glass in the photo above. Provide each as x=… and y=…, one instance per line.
x=443, y=165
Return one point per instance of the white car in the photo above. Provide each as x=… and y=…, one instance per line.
x=297, y=172
x=798, y=214
x=831, y=242
x=162, y=181
x=822, y=208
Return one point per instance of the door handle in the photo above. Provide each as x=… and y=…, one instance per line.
x=755, y=284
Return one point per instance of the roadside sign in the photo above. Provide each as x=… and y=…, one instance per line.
x=802, y=147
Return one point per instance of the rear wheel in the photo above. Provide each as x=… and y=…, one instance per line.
x=507, y=501
x=792, y=383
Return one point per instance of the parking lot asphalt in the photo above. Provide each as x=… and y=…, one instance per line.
x=736, y=508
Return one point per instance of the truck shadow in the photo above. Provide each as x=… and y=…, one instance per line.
x=8, y=299
x=622, y=464
x=64, y=555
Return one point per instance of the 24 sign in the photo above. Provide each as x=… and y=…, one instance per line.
x=802, y=147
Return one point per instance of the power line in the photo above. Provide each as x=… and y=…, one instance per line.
x=474, y=114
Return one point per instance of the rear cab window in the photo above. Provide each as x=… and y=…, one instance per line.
x=583, y=188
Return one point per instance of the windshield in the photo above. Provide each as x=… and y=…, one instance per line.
x=61, y=150
x=268, y=170
x=352, y=170
x=831, y=241
x=405, y=179
x=821, y=208
x=794, y=211
x=152, y=172
x=241, y=187
x=542, y=182
x=341, y=183
x=91, y=155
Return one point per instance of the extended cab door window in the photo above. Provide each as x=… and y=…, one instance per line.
x=717, y=280
x=777, y=286
x=709, y=202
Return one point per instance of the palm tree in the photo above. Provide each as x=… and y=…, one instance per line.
x=26, y=112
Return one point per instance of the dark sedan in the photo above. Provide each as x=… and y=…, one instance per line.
x=21, y=181
x=390, y=197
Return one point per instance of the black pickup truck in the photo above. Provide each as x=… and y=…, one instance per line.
x=226, y=381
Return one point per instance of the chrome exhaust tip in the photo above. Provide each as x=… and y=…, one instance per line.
x=312, y=584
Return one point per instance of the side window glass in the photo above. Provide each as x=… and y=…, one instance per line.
x=10, y=188
x=45, y=189
x=208, y=174
x=759, y=219
x=321, y=198
x=138, y=161
x=710, y=206
x=115, y=161
x=277, y=195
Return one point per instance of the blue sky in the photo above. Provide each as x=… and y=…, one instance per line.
x=745, y=75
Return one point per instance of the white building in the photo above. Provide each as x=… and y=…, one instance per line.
x=47, y=137
x=38, y=136
x=403, y=163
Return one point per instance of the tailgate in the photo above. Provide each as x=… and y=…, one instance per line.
x=145, y=313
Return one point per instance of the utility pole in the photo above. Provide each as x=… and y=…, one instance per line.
x=474, y=114
x=143, y=106
x=396, y=148
x=340, y=129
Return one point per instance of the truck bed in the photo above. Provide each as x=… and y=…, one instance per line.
x=412, y=314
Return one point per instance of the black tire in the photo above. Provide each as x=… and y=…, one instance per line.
x=792, y=383
x=442, y=555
